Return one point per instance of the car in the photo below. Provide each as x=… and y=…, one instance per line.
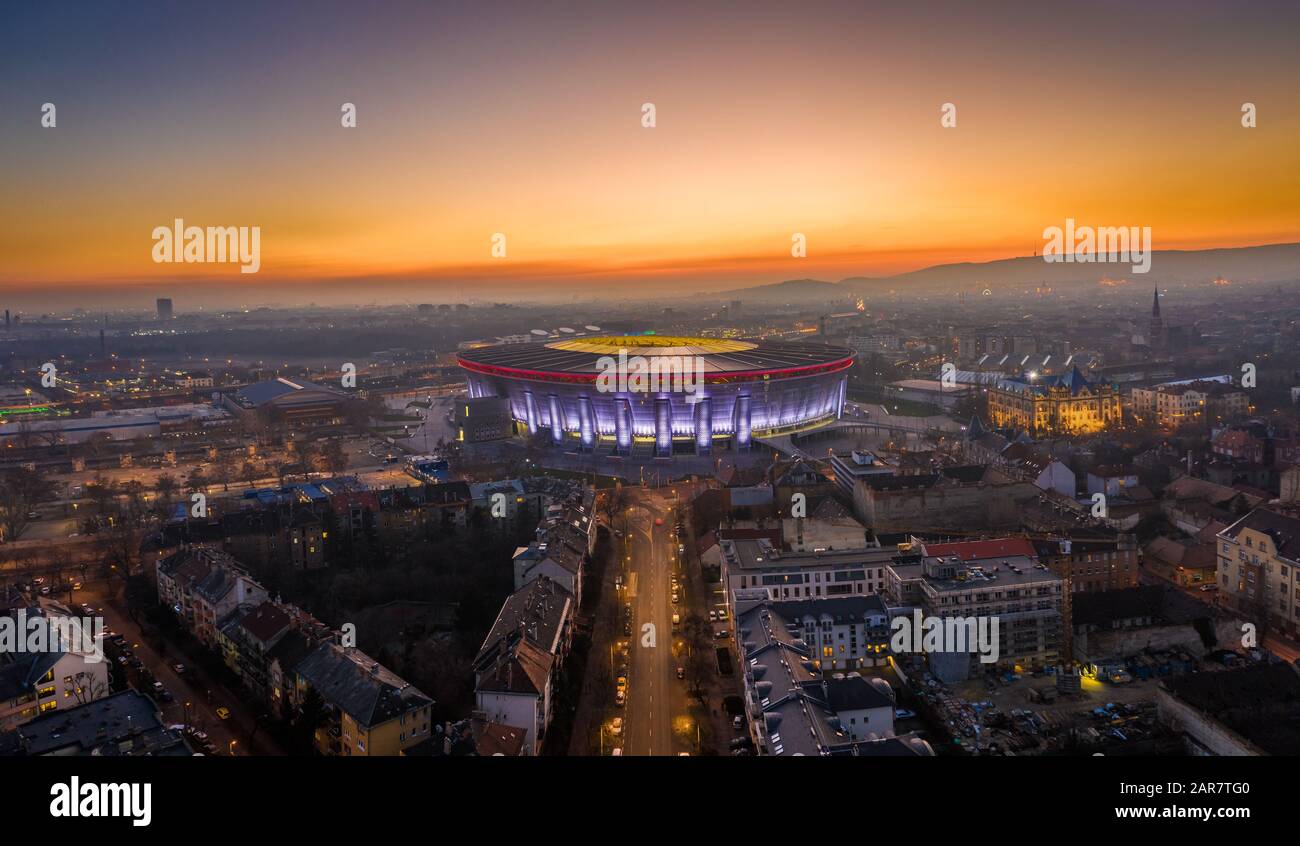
x=33, y=515
x=676, y=598
x=76, y=585
x=200, y=736
x=179, y=669
x=722, y=634
x=722, y=613
x=1209, y=587
x=659, y=521
x=87, y=610
x=39, y=580
x=223, y=713
x=616, y=726
x=45, y=591
x=740, y=742
x=166, y=695
x=903, y=714
x=618, y=751
x=738, y=722
x=620, y=698
x=713, y=616
x=681, y=672
x=158, y=687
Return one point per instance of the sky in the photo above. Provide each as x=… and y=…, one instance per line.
x=525, y=119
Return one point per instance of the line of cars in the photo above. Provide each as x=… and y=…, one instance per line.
x=45, y=587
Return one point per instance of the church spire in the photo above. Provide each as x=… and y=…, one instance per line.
x=1155, y=303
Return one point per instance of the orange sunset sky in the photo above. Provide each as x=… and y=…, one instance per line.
x=474, y=119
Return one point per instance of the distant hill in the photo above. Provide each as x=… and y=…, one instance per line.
x=1268, y=263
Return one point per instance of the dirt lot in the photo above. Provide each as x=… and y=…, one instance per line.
x=1093, y=694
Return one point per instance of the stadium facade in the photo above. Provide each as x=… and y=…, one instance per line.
x=733, y=391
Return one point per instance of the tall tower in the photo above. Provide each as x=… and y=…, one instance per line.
x=1156, y=334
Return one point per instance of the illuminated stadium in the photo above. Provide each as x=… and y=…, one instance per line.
x=746, y=390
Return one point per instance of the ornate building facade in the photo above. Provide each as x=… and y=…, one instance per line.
x=1067, y=404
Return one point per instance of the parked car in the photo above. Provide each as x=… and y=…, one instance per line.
x=616, y=726
x=738, y=722
x=722, y=634
x=179, y=669
x=903, y=714
x=223, y=713
x=713, y=616
x=681, y=672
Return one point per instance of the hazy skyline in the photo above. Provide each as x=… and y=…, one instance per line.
x=512, y=118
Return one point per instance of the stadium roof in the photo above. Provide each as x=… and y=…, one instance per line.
x=721, y=359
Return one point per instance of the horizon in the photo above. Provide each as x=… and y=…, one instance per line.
x=779, y=124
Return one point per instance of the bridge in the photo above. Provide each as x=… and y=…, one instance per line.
x=872, y=419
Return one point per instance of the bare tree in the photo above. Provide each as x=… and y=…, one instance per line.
x=21, y=488
x=166, y=486
x=87, y=688
x=221, y=472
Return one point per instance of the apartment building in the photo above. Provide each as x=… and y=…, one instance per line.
x=842, y=633
x=1258, y=557
x=1091, y=564
x=517, y=667
x=368, y=709
x=1024, y=595
x=793, y=709
x=1199, y=401
x=759, y=563
x=202, y=586
x=56, y=679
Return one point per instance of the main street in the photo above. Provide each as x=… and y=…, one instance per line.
x=656, y=698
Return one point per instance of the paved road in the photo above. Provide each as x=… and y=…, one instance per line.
x=197, y=696
x=656, y=697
